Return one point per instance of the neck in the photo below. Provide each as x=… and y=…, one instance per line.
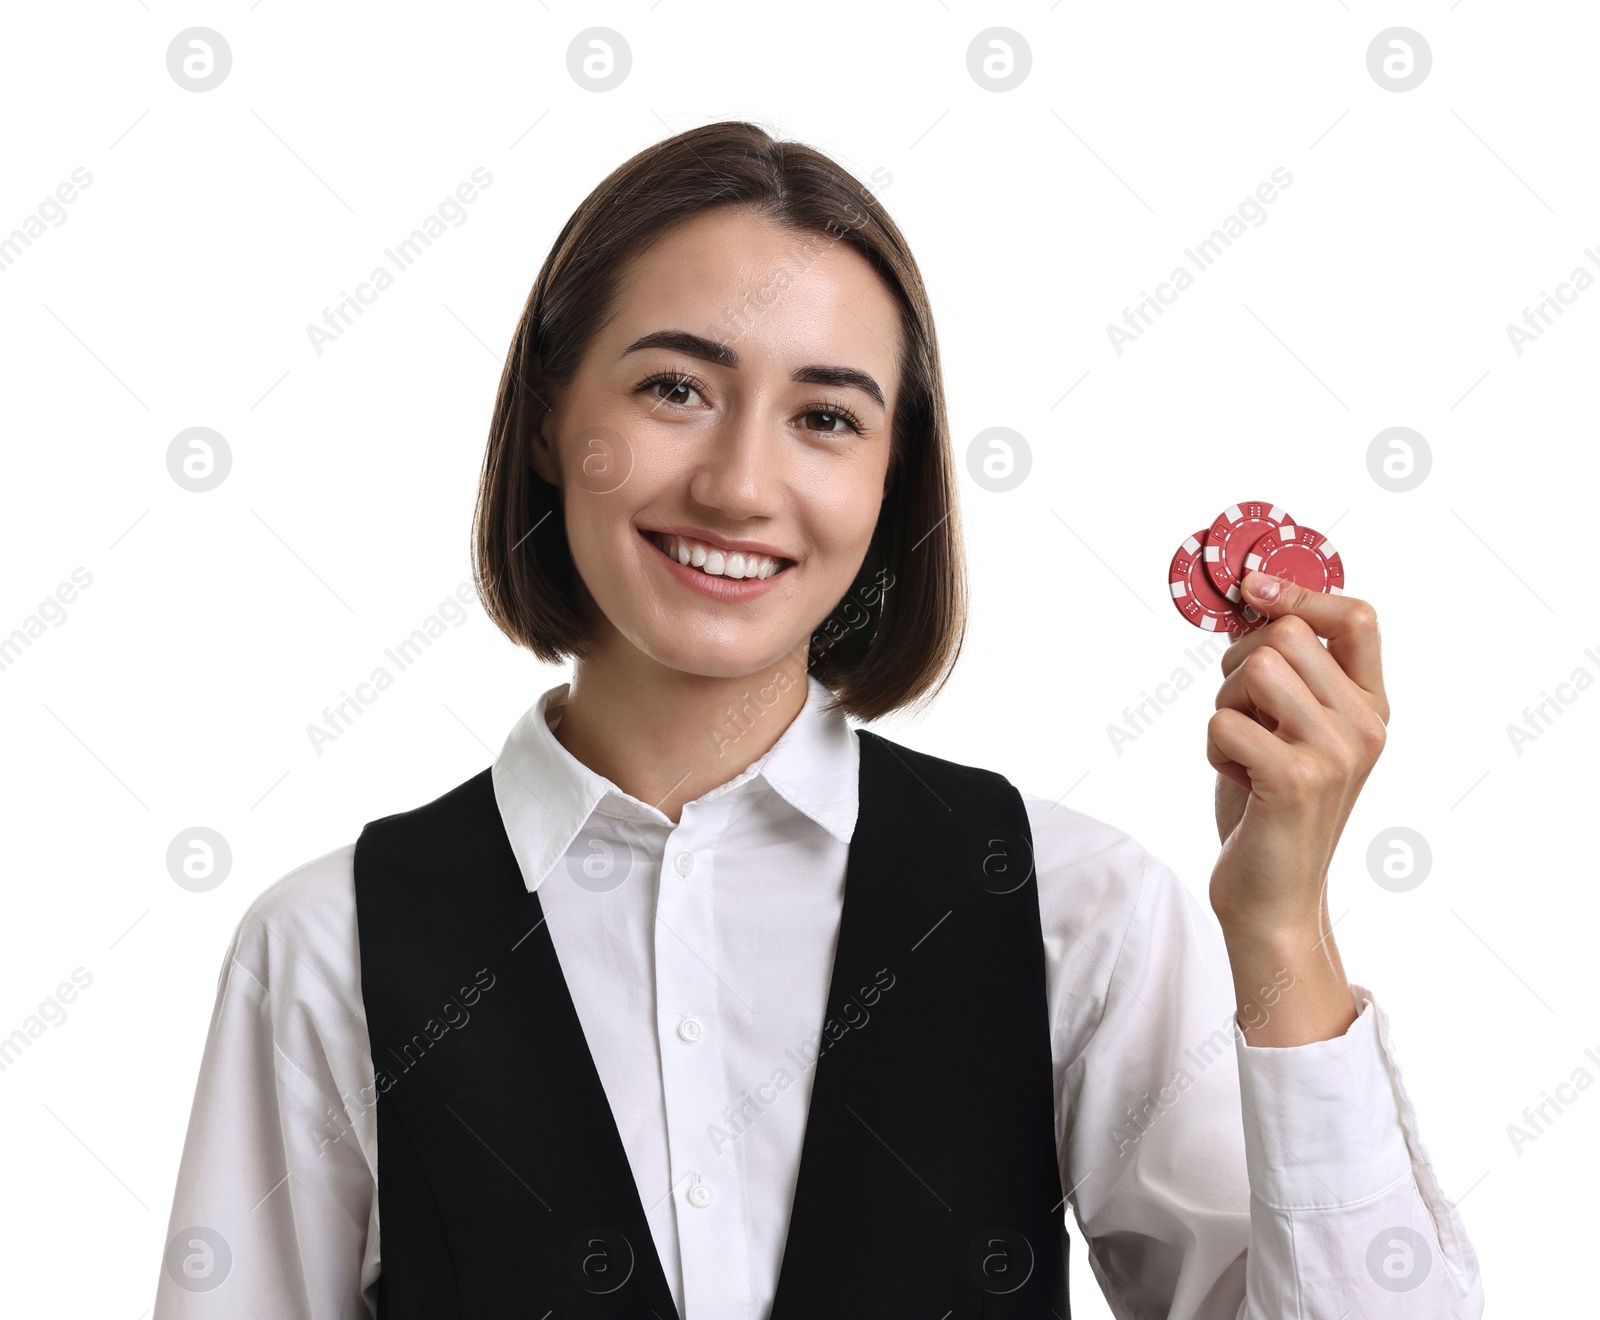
x=665, y=736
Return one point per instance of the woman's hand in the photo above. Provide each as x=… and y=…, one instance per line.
x=1298, y=728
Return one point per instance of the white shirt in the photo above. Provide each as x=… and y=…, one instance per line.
x=1211, y=1179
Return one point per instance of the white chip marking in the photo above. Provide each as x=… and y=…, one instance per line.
x=1232, y=513
x=1179, y=590
x=1191, y=545
x=1327, y=549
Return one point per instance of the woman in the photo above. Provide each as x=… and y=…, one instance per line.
x=700, y=1000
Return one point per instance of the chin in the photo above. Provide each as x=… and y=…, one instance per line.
x=720, y=662
x=710, y=656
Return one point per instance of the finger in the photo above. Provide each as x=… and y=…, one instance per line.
x=1349, y=623
x=1267, y=683
x=1241, y=750
x=1293, y=638
x=1286, y=635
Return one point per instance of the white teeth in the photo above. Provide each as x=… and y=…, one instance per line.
x=734, y=565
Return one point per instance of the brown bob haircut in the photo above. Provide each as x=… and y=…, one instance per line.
x=894, y=636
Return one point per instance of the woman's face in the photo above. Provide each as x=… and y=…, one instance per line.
x=742, y=393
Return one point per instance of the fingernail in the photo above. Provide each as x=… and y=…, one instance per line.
x=1263, y=586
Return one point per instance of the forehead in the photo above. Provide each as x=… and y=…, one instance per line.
x=773, y=292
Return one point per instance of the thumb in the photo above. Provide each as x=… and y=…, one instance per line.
x=1275, y=596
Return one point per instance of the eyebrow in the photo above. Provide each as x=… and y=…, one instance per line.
x=709, y=350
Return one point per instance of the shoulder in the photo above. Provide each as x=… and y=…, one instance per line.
x=433, y=832
x=290, y=1016
x=899, y=765
x=1096, y=867
x=297, y=939
x=1095, y=879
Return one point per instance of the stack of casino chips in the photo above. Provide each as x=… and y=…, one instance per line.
x=1252, y=535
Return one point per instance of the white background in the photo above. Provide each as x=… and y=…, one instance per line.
x=1377, y=293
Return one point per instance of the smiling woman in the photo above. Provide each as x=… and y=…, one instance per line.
x=719, y=481
x=814, y=432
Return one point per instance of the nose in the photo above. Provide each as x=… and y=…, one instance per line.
x=738, y=472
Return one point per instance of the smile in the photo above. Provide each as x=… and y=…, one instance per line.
x=715, y=562
x=713, y=572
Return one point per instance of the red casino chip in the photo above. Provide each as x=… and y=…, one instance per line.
x=1235, y=531
x=1197, y=597
x=1301, y=556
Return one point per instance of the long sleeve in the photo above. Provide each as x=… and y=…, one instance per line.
x=1213, y=1180
x=275, y=1210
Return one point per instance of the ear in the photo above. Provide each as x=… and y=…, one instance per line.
x=544, y=456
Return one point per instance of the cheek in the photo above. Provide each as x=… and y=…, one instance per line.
x=597, y=525
x=844, y=520
x=841, y=499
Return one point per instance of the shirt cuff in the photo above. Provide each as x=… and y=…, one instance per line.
x=1321, y=1123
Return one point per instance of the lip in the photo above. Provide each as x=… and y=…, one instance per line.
x=722, y=542
x=704, y=584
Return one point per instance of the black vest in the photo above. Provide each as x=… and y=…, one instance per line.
x=928, y=1184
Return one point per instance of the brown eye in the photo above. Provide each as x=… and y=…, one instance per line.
x=671, y=388
x=677, y=391
x=843, y=416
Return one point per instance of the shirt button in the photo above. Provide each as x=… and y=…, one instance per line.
x=690, y=1029
x=683, y=863
x=700, y=1195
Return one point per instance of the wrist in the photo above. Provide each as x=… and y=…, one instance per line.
x=1288, y=983
x=1258, y=914
x=1288, y=941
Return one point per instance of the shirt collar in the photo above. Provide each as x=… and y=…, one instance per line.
x=546, y=795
